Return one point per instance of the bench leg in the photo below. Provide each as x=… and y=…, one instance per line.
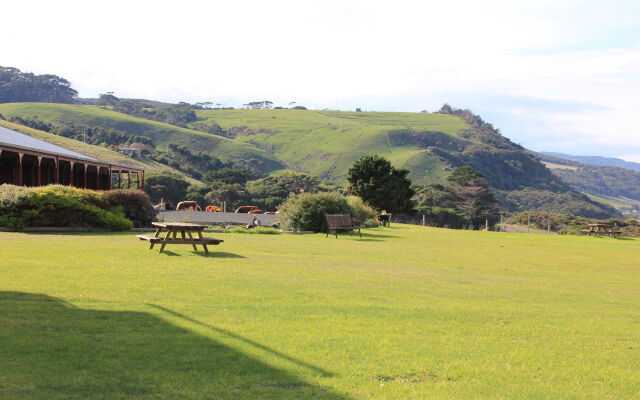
x=191, y=237
x=206, y=250
x=167, y=236
x=151, y=245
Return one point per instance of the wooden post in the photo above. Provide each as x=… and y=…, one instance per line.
x=39, y=174
x=56, y=171
x=424, y=220
x=128, y=179
x=71, y=175
x=119, y=180
x=84, y=178
x=110, y=178
x=19, y=175
x=501, y=216
x=549, y=229
x=486, y=224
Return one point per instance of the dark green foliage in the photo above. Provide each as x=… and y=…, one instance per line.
x=305, y=212
x=136, y=205
x=230, y=174
x=210, y=127
x=17, y=86
x=606, y=181
x=107, y=99
x=381, y=185
x=233, y=194
x=170, y=188
x=465, y=200
x=471, y=196
x=58, y=206
x=85, y=133
x=176, y=114
x=268, y=193
x=182, y=159
x=569, y=202
x=441, y=217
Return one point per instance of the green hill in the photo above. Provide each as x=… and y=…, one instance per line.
x=162, y=134
x=326, y=143
x=97, y=152
x=618, y=187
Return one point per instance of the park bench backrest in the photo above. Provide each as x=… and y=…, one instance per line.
x=338, y=220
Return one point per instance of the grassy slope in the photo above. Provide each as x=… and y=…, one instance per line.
x=326, y=143
x=161, y=133
x=98, y=152
x=405, y=313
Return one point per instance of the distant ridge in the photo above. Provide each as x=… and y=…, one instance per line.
x=597, y=160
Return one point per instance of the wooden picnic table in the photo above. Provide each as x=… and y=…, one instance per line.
x=186, y=237
x=602, y=229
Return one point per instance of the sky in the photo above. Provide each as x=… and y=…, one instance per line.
x=557, y=75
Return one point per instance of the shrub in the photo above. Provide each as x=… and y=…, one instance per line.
x=306, y=211
x=136, y=205
x=57, y=206
x=361, y=212
x=439, y=216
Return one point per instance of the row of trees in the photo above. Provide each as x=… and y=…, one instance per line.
x=18, y=86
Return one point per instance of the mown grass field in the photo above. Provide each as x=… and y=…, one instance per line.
x=405, y=313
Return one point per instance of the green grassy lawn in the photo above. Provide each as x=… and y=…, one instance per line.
x=405, y=313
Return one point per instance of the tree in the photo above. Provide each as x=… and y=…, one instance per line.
x=107, y=99
x=384, y=187
x=168, y=187
x=18, y=86
x=471, y=196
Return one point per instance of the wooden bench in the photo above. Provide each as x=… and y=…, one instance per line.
x=171, y=237
x=340, y=222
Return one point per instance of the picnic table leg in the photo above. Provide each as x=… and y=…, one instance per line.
x=167, y=236
x=151, y=244
x=191, y=237
x=204, y=246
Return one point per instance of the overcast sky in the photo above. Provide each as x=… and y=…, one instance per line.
x=552, y=75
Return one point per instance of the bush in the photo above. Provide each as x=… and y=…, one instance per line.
x=361, y=212
x=58, y=206
x=441, y=217
x=136, y=205
x=305, y=212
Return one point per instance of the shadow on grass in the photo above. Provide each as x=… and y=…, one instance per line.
x=52, y=350
x=216, y=254
x=243, y=339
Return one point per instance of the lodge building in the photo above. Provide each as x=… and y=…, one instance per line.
x=27, y=161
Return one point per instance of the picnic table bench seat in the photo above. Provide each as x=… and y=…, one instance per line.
x=340, y=222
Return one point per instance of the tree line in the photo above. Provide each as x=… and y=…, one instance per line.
x=17, y=86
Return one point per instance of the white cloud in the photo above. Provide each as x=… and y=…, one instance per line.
x=402, y=55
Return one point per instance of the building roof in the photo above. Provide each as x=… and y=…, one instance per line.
x=12, y=138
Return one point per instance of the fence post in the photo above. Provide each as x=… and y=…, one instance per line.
x=424, y=220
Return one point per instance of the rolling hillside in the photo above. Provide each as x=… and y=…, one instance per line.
x=162, y=134
x=618, y=187
x=597, y=160
x=97, y=152
x=326, y=143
